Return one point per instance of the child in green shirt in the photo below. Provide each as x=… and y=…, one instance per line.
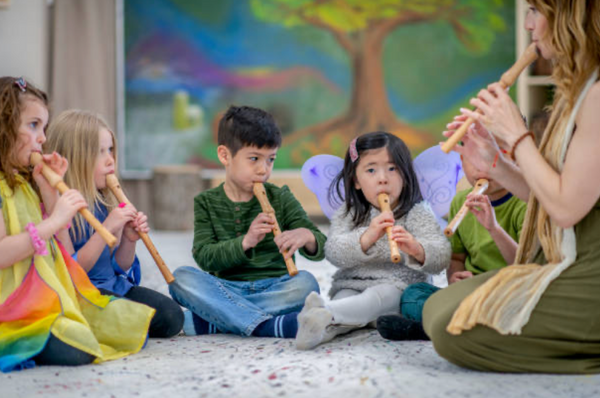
x=243, y=286
x=485, y=240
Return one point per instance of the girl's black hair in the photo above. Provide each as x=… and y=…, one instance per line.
x=355, y=199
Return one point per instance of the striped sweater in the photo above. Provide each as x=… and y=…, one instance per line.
x=220, y=226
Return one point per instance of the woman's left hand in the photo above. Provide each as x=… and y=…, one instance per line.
x=499, y=114
x=407, y=243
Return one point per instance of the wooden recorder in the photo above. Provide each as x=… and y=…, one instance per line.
x=480, y=187
x=57, y=182
x=384, y=205
x=508, y=79
x=113, y=184
x=261, y=195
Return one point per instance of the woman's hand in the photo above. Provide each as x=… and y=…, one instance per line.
x=376, y=229
x=498, y=114
x=479, y=146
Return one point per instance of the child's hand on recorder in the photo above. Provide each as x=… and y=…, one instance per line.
x=261, y=226
x=376, y=229
x=295, y=239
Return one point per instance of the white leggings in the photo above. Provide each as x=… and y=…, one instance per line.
x=353, y=308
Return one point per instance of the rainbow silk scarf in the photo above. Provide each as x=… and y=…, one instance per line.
x=53, y=294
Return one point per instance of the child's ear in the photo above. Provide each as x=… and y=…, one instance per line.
x=224, y=155
x=356, y=185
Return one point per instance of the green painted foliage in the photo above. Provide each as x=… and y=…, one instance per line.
x=475, y=22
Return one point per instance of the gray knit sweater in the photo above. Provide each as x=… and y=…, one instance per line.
x=359, y=270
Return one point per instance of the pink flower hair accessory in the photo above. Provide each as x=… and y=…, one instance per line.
x=122, y=204
x=39, y=244
x=352, y=151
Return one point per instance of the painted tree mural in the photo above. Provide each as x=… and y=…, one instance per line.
x=360, y=27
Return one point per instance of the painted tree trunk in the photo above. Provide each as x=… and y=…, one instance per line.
x=369, y=107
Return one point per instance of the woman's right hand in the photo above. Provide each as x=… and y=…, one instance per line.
x=479, y=146
x=118, y=217
x=66, y=207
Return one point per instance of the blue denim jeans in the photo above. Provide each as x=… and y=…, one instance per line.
x=239, y=307
x=413, y=300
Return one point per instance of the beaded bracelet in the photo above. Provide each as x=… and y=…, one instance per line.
x=518, y=141
x=39, y=244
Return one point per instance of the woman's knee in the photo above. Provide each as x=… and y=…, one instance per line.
x=436, y=318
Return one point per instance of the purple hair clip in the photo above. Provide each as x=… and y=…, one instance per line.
x=22, y=84
x=352, y=150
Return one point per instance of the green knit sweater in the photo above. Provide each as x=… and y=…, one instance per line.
x=220, y=226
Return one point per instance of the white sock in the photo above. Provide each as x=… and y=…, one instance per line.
x=312, y=322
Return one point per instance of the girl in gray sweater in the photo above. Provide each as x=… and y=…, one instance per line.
x=368, y=284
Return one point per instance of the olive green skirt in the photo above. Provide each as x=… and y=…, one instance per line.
x=563, y=332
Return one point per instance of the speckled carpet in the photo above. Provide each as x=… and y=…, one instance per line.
x=360, y=364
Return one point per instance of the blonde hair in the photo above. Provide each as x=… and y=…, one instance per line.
x=75, y=134
x=12, y=102
x=574, y=34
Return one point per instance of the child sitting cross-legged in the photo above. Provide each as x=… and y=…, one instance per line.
x=242, y=285
x=368, y=284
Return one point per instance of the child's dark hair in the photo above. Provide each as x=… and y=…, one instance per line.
x=247, y=126
x=13, y=94
x=355, y=199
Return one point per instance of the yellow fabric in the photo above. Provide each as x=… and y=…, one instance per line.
x=71, y=308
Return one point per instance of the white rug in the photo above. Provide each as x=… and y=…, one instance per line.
x=360, y=364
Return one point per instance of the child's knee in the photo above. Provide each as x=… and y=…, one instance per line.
x=187, y=277
x=188, y=281
x=306, y=283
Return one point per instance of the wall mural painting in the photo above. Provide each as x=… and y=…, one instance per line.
x=326, y=69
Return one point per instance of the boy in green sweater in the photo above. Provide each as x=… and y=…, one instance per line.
x=485, y=240
x=243, y=286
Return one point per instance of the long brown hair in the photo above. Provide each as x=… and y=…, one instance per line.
x=12, y=102
x=574, y=34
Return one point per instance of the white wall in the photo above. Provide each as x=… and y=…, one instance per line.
x=24, y=41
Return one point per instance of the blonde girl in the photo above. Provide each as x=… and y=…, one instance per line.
x=88, y=143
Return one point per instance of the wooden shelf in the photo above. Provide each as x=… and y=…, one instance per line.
x=538, y=80
x=534, y=92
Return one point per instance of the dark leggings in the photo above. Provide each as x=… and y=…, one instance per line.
x=58, y=353
x=168, y=319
